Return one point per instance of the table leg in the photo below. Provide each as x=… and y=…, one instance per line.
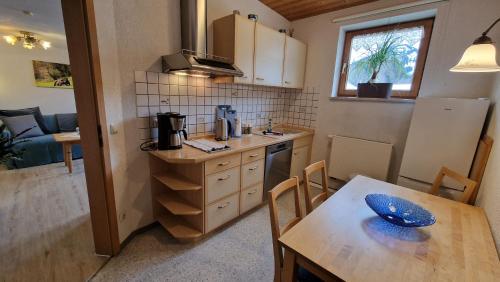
x=289, y=266
x=69, y=157
x=65, y=156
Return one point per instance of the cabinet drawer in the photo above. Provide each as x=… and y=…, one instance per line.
x=222, y=184
x=253, y=155
x=251, y=197
x=302, y=141
x=221, y=212
x=252, y=173
x=223, y=163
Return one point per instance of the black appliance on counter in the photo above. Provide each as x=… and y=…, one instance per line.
x=170, y=127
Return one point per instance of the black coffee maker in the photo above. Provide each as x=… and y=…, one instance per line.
x=170, y=127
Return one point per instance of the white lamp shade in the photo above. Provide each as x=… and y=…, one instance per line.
x=478, y=58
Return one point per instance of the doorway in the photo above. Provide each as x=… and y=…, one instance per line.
x=58, y=218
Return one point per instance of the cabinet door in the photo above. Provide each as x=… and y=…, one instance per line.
x=269, y=55
x=244, y=48
x=300, y=159
x=295, y=63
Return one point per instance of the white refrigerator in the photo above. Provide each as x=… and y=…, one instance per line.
x=443, y=132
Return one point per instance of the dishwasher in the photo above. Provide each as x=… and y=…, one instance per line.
x=278, y=161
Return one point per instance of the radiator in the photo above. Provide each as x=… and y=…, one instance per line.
x=351, y=156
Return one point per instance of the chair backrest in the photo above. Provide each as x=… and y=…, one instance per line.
x=308, y=171
x=274, y=194
x=470, y=185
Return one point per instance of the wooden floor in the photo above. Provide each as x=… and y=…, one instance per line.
x=45, y=230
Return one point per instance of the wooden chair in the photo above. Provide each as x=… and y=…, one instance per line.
x=470, y=185
x=287, y=185
x=312, y=168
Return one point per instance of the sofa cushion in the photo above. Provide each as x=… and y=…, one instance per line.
x=67, y=122
x=51, y=123
x=18, y=124
x=35, y=111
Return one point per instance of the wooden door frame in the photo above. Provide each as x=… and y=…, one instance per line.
x=81, y=37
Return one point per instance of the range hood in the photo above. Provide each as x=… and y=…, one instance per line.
x=193, y=58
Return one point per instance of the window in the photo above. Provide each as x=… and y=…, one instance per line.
x=407, y=45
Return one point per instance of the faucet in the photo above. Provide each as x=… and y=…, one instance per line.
x=269, y=125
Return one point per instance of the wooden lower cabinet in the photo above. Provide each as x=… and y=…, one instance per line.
x=221, y=212
x=300, y=160
x=251, y=197
x=191, y=200
x=221, y=184
x=252, y=173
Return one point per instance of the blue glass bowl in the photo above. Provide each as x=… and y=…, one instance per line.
x=399, y=211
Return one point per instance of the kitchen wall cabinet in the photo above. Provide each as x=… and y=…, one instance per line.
x=266, y=56
x=269, y=56
x=294, y=65
x=234, y=38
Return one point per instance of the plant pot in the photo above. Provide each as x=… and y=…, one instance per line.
x=374, y=90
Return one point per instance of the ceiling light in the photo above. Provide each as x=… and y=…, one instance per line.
x=28, y=40
x=480, y=56
x=10, y=39
x=45, y=44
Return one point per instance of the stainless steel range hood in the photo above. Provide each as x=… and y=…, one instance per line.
x=193, y=58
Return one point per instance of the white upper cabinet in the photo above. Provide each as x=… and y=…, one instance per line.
x=234, y=38
x=294, y=66
x=265, y=56
x=244, y=48
x=269, y=56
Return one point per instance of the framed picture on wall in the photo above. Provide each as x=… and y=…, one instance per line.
x=53, y=75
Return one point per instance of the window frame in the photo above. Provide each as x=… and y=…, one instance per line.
x=427, y=24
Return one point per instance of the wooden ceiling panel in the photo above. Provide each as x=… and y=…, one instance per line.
x=299, y=9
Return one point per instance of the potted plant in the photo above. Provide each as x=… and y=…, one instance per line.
x=391, y=54
x=7, y=144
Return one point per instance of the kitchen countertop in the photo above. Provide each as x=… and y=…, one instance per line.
x=189, y=154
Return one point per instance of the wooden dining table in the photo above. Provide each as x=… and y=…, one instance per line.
x=343, y=239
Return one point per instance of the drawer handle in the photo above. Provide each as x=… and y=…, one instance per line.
x=223, y=205
x=259, y=78
x=254, y=155
x=224, y=178
x=244, y=76
x=253, y=168
x=223, y=164
x=252, y=192
x=287, y=82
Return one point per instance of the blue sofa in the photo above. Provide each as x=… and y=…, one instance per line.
x=44, y=149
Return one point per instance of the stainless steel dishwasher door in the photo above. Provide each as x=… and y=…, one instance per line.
x=278, y=161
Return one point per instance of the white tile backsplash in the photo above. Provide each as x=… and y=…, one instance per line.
x=198, y=97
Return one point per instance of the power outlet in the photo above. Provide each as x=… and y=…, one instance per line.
x=302, y=109
x=200, y=119
x=258, y=115
x=165, y=101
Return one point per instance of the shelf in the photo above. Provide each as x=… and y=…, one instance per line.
x=177, y=205
x=179, y=229
x=176, y=182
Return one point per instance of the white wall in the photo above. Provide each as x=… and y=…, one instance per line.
x=457, y=23
x=489, y=195
x=132, y=36
x=17, y=81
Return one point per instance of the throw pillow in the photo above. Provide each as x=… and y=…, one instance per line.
x=28, y=111
x=18, y=124
x=67, y=122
